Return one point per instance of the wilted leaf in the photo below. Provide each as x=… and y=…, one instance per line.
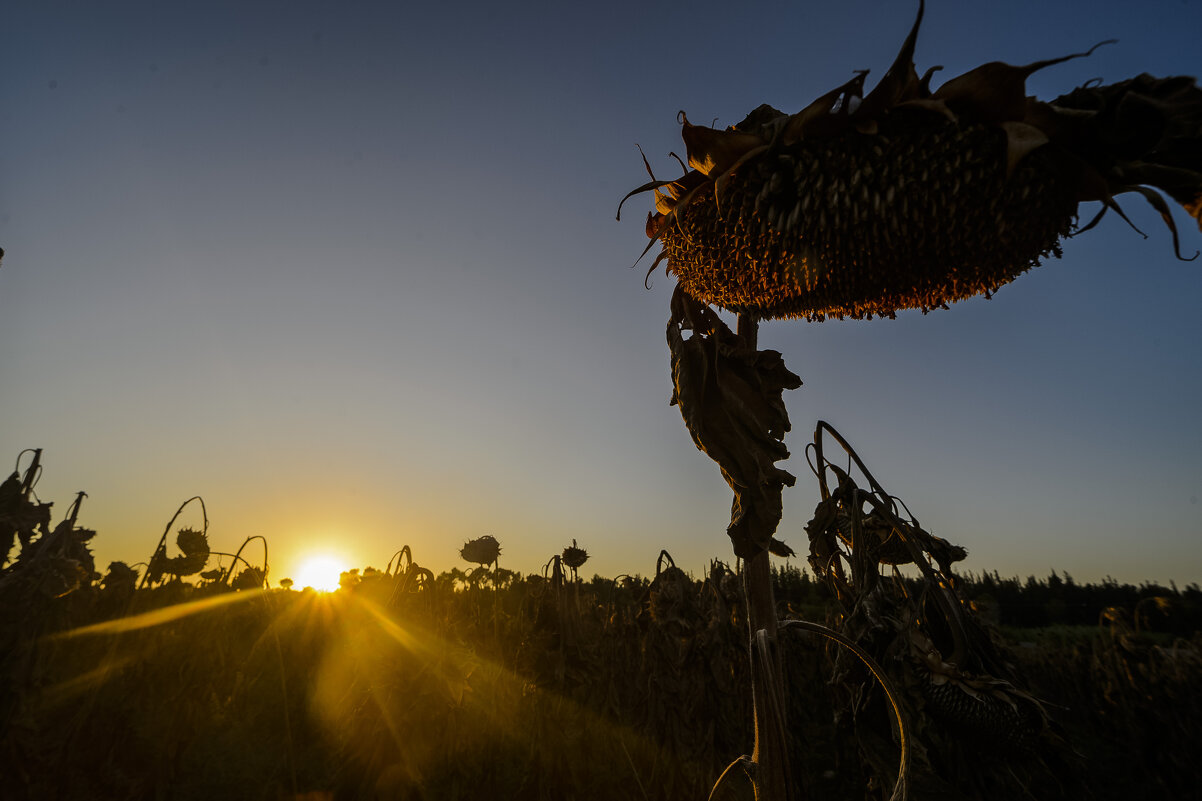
x=730, y=398
x=713, y=152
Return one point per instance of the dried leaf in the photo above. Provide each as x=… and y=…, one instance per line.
x=711, y=151
x=996, y=92
x=730, y=398
x=780, y=548
x=816, y=119
x=1145, y=130
x=900, y=83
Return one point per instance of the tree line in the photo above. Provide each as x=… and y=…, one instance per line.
x=1056, y=600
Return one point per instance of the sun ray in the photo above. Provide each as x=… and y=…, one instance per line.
x=158, y=617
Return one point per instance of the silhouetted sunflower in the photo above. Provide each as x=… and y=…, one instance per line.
x=865, y=204
x=482, y=550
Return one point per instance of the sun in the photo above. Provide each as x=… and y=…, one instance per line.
x=321, y=572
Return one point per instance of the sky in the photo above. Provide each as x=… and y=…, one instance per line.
x=350, y=272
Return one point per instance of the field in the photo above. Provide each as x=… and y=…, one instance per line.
x=174, y=681
x=408, y=685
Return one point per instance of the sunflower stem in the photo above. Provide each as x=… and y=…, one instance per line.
x=773, y=780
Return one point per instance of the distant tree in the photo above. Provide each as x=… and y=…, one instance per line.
x=286, y=583
x=792, y=583
x=453, y=578
x=1056, y=611
x=348, y=579
x=502, y=578
x=371, y=576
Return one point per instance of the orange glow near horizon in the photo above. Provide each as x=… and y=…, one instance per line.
x=321, y=572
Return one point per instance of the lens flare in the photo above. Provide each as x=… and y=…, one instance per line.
x=321, y=572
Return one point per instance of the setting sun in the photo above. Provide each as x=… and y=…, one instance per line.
x=320, y=573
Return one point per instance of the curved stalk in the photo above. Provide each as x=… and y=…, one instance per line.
x=162, y=546
x=239, y=554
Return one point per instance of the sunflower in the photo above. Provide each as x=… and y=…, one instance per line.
x=864, y=204
x=482, y=550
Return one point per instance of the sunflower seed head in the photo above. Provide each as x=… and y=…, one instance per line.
x=915, y=235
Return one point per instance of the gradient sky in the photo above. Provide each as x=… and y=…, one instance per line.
x=350, y=272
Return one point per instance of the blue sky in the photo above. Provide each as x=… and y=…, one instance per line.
x=351, y=273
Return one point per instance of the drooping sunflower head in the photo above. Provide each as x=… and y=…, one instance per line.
x=482, y=550
x=574, y=556
x=864, y=204
x=194, y=554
